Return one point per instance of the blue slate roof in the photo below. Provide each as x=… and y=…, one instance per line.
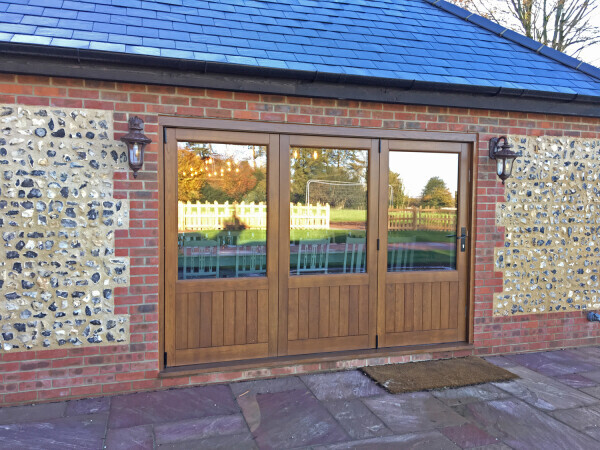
x=423, y=40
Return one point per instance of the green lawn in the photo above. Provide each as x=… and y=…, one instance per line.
x=348, y=215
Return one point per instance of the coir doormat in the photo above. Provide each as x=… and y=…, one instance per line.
x=439, y=374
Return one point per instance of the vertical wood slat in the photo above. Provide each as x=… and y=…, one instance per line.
x=408, y=307
x=344, y=306
x=313, y=313
x=303, y=296
x=181, y=323
x=444, y=304
x=399, y=319
x=229, y=318
x=324, y=311
x=435, y=306
x=252, y=316
x=353, y=311
x=193, y=320
x=205, y=319
x=334, y=311
x=427, y=306
x=390, y=308
x=453, y=310
x=240, y=317
x=217, y=319
x=293, y=314
x=263, y=316
x=418, y=306
x=363, y=309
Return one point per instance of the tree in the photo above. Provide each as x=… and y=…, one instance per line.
x=436, y=195
x=564, y=25
x=397, y=197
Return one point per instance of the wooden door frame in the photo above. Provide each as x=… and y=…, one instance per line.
x=176, y=122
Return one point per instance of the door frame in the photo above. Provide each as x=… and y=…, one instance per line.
x=167, y=123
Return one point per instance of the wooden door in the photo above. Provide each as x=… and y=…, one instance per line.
x=424, y=261
x=328, y=253
x=221, y=255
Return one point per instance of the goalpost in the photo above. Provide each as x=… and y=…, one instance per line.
x=337, y=193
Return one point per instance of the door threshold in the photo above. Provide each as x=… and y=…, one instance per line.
x=315, y=358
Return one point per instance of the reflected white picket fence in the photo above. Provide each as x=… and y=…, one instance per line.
x=219, y=216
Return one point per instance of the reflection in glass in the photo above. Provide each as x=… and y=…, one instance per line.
x=222, y=210
x=422, y=207
x=328, y=211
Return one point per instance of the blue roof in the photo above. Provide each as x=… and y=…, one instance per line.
x=423, y=40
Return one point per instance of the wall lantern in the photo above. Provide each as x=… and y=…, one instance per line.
x=136, y=140
x=503, y=155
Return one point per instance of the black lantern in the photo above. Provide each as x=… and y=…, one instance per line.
x=503, y=155
x=136, y=140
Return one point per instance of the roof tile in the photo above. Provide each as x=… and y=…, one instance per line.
x=426, y=40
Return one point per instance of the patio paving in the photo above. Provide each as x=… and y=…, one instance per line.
x=554, y=405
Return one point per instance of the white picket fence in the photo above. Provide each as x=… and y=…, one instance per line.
x=215, y=216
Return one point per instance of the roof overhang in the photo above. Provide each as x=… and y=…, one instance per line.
x=102, y=65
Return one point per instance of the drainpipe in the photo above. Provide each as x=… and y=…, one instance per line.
x=593, y=317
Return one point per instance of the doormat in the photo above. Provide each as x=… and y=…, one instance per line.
x=438, y=374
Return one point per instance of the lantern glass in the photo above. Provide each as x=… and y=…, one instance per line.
x=500, y=166
x=135, y=151
x=508, y=166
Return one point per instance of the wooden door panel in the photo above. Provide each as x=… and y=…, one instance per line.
x=422, y=305
x=227, y=318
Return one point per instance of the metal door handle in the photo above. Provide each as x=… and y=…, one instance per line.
x=462, y=237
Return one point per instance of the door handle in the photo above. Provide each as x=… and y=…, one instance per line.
x=462, y=237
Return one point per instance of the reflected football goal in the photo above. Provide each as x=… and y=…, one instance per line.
x=338, y=194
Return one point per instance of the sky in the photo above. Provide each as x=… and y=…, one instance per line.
x=416, y=168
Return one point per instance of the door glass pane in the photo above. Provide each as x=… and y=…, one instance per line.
x=422, y=211
x=328, y=211
x=222, y=210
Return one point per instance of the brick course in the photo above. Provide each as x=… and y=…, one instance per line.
x=48, y=375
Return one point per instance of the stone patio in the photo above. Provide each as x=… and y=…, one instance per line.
x=554, y=405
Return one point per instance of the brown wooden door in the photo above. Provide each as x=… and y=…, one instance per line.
x=423, y=272
x=328, y=276
x=220, y=257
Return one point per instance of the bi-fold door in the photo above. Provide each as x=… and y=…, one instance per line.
x=281, y=244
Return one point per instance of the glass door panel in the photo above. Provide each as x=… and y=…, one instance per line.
x=422, y=211
x=328, y=211
x=221, y=210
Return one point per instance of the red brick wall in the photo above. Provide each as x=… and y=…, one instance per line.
x=34, y=376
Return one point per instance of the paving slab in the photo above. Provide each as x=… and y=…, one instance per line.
x=135, y=438
x=413, y=412
x=469, y=394
x=522, y=426
x=342, y=385
x=358, y=420
x=544, y=392
x=233, y=441
x=551, y=364
x=593, y=391
x=576, y=380
x=272, y=385
x=88, y=406
x=431, y=440
x=77, y=433
x=206, y=427
x=294, y=419
x=170, y=406
x=32, y=413
x=468, y=436
x=581, y=419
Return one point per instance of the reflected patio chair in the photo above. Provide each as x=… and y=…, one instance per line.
x=200, y=258
x=401, y=254
x=313, y=256
x=355, y=255
x=250, y=260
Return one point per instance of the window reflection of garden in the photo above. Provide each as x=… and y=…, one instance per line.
x=222, y=193
x=422, y=226
x=337, y=178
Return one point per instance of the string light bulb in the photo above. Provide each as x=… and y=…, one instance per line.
x=295, y=154
x=315, y=155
